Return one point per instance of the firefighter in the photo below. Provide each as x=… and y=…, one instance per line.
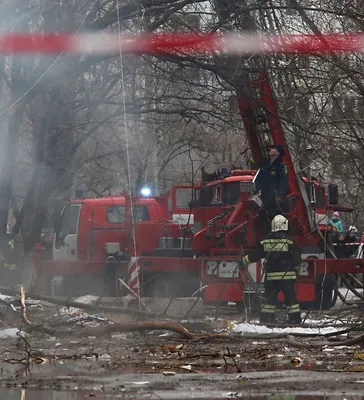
x=272, y=181
x=282, y=258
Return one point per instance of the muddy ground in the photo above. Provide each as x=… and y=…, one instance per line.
x=216, y=363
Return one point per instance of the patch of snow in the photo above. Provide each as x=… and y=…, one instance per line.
x=246, y=328
x=348, y=295
x=88, y=299
x=105, y=356
x=34, y=306
x=9, y=333
x=72, y=311
x=15, y=309
x=6, y=298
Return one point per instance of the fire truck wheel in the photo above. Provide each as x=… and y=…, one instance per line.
x=179, y=285
x=28, y=278
x=162, y=287
x=325, y=292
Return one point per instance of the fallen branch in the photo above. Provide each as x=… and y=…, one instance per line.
x=23, y=307
x=88, y=307
x=342, y=310
x=130, y=290
x=218, y=336
x=6, y=303
x=351, y=287
x=356, y=280
x=343, y=298
x=30, y=326
x=350, y=342
x=133, y=293
x=99, y=331
x=138, y=327
x=116, y=328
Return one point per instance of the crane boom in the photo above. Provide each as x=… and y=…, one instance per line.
x=263, y=128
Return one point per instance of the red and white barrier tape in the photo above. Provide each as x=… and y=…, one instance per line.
x=108, y=44
x=347, y=244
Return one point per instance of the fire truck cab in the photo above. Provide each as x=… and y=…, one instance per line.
x=89, y=229
x=97, y=238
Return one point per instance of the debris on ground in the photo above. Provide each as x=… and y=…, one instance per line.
x=83, y=340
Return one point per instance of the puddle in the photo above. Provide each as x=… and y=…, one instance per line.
x=221, y=367
x=23, y=394
x=90, y=367
x=228, y=366
x=55, y=368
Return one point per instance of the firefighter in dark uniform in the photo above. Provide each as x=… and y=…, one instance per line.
x=272, y=181
x=282, y=258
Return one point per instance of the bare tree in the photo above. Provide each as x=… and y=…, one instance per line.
x=116, y=123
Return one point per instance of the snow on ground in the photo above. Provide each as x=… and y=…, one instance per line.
x=251, y=328
x=5, y=298
x=9, y=333
x=315, y=325
x=73, y=312
x=80, y=316
x=348, y=295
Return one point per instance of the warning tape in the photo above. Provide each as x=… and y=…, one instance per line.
x=108, y=44
x=347, y=244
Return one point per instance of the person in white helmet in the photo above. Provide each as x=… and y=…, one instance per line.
x=282, y=258
x=352, y=239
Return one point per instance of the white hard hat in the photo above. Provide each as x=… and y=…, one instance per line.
x=279, y=223
x=353, y=229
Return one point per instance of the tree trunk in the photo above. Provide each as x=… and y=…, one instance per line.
x=9, y=162
x=19, y=95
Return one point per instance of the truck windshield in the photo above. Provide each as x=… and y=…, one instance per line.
x=70, y=219
x=68, y=223
x=231, y=193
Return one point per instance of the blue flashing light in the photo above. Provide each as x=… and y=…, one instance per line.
x=79, y=193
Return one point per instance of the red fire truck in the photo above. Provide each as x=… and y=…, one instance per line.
x=194, y=237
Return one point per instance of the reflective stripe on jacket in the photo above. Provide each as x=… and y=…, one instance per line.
x=280, y=252
x=10, y=266
x=278, y=276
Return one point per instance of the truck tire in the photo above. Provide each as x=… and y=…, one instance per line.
x=326, y=295
x=181, y=285
x=162, y=287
